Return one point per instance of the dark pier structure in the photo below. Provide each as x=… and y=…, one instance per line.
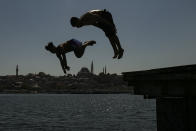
x=174, y=89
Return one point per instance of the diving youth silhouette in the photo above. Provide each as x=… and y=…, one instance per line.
x=103, y=20
x=71, y=45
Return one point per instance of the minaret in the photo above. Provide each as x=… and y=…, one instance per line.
x=105, y=69
x=16, y=70
x=92, y=68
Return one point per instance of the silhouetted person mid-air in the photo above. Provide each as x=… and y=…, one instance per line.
x=103, y=20
x=71, y=45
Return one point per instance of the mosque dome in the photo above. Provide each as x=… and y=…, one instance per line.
x=84, y=72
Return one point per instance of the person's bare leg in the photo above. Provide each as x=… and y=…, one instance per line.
x=89, y=43
x=80, y=51
x=120, y=49
x=112, y=42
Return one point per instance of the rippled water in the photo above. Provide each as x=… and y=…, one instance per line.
x=77, y=112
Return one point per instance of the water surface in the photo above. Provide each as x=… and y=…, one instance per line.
x=77, y=112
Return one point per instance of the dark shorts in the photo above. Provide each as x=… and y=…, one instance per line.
x=75, y=44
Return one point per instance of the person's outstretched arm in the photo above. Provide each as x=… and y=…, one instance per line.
x=65, y=62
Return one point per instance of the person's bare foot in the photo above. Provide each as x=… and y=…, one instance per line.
x=115, y=55
x=67, y=68
x=120, y=53
x=91, y=43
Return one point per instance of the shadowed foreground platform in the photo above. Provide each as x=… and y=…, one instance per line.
x=174, y=89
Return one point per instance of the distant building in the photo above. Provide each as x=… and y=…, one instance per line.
x=18, y=84
x=84, y=73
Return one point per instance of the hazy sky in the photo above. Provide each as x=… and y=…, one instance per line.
x=154, y=34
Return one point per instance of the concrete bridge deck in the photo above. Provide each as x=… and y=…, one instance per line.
x=174, y=89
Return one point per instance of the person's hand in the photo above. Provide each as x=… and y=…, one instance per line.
x=64, y=71
x=67, y=68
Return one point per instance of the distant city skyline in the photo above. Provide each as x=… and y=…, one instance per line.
x=154, y=34
x=90, y=68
